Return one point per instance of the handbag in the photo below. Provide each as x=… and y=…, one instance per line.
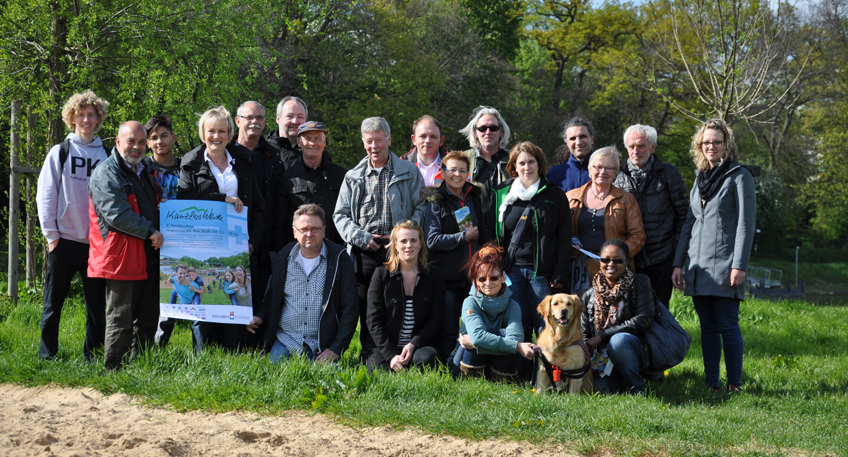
x=666, y=342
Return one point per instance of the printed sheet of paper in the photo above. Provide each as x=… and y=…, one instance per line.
x=204, y=265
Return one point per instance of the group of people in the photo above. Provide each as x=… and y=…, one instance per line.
x=440, y=256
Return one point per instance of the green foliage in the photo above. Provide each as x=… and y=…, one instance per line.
x=498, y=22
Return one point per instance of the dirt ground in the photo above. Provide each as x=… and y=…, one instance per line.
x=82, y=422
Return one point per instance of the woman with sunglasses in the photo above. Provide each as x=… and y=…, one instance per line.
x=491, y=333
x=600, y=211
x=406, y=305
x=715, y=246
x=455, y=227
x=620, y=307
x=533, y=225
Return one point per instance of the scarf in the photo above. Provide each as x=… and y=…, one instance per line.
x=607, y=298
x=640, y=175
x=517, y=192
x=709, y=182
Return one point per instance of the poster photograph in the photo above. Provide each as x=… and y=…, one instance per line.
x=204, y=264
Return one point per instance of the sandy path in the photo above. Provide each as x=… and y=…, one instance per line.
x=75, y=422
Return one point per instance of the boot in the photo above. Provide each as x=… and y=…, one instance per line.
x=470, y=371
x=497, y=376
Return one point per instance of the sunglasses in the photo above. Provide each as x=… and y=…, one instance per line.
x=606, y=260
x=493, y=128
x=490, y=278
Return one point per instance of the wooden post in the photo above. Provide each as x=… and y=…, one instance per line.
x=32, y=214
x=14, y=201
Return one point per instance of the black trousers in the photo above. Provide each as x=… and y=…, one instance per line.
x=66, y=259
x=660, y=275
x=366, y=263
x=132, y=313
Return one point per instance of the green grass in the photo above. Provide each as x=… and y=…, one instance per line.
x=795, y=376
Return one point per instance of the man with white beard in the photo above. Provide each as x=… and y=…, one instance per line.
x=124, y=238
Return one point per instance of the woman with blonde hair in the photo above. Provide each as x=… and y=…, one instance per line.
x=715, y=246
x=216, y=171
x=406, y=305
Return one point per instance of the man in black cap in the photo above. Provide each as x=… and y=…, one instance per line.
x=313, y=180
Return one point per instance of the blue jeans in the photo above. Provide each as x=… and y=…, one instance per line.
x=719, y=318
x=623, y=351
x=280, y=352
x=529, y=290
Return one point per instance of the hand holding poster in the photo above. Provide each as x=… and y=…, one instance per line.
x=204, y=264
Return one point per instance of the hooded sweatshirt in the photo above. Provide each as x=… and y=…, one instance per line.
x=62, y=195
x=483, y=317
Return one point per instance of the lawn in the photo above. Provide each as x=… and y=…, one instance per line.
x=795, y=376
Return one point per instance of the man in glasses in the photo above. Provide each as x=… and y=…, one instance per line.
x=268, y=163
x=663, y=200
x=488, y=135
x=579, y=137
x=428, y=150
x=312, y=180
x=376, y=194
x=311, y=301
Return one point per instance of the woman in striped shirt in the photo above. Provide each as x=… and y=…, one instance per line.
x=406, y=305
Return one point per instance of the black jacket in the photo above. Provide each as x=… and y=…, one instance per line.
x=552, y=224
x=384, y=315
x=636, y=317
x=300, y=185
x=664, y=204
x=198, y=183
x=267, y=166
x=448, y=251
x=290, y=154
x=341, y=306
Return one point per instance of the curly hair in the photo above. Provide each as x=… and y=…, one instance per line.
x=79, y=102
x=470, y=130
x=529, y=148
x=730, y=151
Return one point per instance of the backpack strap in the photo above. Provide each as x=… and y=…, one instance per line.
x=64, y=150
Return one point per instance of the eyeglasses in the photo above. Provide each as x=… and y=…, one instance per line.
x=606, y=260
x=253, y=118
x=716, y=143
x=309, y=230
x=456, y=170
x=490, y=278
x=483, y=128
x=600, y=169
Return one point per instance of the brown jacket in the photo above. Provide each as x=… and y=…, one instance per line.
x=622, y=217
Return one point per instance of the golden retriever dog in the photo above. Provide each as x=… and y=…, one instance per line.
x=562, y=314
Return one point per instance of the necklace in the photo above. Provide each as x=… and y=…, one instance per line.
x=596, y=194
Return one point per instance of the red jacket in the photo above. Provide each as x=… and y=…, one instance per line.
x=118, y=231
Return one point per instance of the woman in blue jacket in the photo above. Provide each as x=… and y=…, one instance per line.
x=715, y=246
x=491, y=331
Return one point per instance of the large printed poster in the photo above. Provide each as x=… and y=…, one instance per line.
x=204, y=265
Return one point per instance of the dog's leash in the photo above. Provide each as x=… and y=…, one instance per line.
x=554, y=372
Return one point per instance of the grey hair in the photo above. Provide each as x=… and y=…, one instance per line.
x=243, y=105
x=603, y=153
x=309, y=209
x=376, y=124
x=292, y=98
x=644, y=130
x=576, y=121
x=470, y=129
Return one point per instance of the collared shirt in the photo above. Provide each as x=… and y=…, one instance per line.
x=138, y=168
x=481, y=165
x=429, y=172
x=375, y=214
x=227, y=179
x=302, y=302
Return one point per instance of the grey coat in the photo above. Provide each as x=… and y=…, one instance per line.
x=718, y=236
x=404, y=195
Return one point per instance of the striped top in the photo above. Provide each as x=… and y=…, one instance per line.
x=408, y=323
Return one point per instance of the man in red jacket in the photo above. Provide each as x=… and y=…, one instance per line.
x=124, y=238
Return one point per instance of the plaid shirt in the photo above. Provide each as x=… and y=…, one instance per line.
x=375, y=214
x=302, y=305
